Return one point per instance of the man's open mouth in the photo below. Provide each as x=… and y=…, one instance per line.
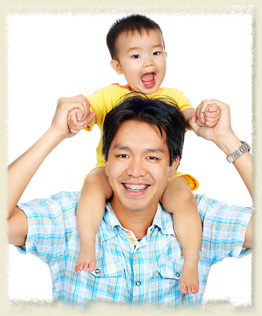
x=135, y=187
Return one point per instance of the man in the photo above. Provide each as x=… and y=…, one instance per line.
x=138, y=256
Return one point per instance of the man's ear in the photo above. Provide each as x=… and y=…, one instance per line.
x=116, y=66
x=106, y=169
x=173, y=168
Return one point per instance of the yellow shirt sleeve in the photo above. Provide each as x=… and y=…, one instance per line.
x=103, y=101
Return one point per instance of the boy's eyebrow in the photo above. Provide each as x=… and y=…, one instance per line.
x=137, y=48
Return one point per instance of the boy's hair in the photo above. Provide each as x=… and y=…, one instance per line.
x=162, y=112
x=131, y=23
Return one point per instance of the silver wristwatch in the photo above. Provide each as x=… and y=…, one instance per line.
x=239, y=152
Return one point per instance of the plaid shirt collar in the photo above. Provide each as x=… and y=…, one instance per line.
x=162, y=220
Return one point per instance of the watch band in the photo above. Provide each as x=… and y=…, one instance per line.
x=239, y=152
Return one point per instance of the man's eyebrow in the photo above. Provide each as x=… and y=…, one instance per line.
x=147, y=150
x=154, y=150
x=120, y=147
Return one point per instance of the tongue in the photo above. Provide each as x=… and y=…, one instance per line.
x=148, y=77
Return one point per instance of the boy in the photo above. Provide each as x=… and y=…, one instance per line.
x=137, y=49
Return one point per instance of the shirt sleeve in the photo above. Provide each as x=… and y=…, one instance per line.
x=180, y=98
x=224, y=227
x=51, y=222
x=101, y=102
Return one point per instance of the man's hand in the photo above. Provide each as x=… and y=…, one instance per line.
x=208, y=113
x=70, y=111
x=220, y=130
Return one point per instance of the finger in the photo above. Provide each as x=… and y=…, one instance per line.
x=213, y=108
x=82, y=124
x=72, y=121
x=199, y=109
x=193, y=123
x=76, y=102
x=90, y=117
x=80, y=113
x=201, y=122
x=212, y=114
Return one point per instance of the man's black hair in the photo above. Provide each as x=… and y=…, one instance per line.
x=131, y=23
x=162, y=112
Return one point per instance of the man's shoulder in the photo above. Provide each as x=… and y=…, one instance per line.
x=57, y=207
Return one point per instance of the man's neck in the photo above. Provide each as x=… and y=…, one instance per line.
x=136, y=221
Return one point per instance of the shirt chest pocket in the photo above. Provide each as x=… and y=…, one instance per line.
x=170, y=271
x=107, y=267
x=102, y=283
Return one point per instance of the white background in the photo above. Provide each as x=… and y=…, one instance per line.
x=49, y=56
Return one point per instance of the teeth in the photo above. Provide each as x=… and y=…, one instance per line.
x=135, y=187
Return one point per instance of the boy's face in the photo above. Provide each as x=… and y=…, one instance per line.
x=142, y=60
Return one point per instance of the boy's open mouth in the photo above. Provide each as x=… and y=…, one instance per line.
x=148, y=79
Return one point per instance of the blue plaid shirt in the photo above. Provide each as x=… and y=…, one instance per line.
x=147, y=271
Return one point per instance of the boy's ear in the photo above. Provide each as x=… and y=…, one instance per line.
x=173, y=168
x=116, y=66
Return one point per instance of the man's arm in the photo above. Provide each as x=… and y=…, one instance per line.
x=21, y=171
x=224, y=137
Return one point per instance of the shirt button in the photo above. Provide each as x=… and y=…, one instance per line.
x=97, y=271
x=138, y=283
x=177, y=274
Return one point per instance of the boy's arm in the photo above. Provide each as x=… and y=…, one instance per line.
x=188, y=113
x=21, y=171
x=179, y=200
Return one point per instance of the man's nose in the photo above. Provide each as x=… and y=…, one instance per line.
x=136, y=168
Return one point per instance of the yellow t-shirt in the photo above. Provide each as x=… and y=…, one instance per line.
x=104, y=100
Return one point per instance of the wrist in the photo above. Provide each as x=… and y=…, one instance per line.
x=53, y=137
x=55, y=134
x=228, y=143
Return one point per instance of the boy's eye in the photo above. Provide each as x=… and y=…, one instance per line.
x=157, y=53
x=135, y=56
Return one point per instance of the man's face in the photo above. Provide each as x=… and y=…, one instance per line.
x=138, y=167
x=142, y=60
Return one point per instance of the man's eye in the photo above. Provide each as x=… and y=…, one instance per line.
x=122, y=156
x=135, y=56
x=152, y=158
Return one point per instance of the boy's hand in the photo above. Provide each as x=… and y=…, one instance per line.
x=80, y=115
x=76, y=121
x=208, y=113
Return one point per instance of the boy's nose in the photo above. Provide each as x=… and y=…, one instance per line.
x=148, y=62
